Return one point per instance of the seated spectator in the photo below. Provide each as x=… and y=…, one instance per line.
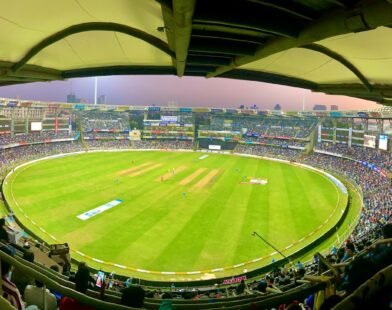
x=363, y=268
x=10, y=291
x=20, y=278
x=166, y=303
x=330, y=302
x=300, y=269
x=240, y=288
x=382, y=255
x=26, y=244
x=3, y=232
x=82, y=279
x=133, y=296
x=349, y=251
x=34, y=295
x=262, y=287
x=56, y=294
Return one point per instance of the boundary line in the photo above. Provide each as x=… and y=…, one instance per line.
x=16, y=171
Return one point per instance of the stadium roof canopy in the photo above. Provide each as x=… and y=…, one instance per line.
x=332, y=46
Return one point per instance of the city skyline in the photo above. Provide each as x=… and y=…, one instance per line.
x=185, y=91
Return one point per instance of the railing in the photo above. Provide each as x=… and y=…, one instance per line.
x=47, y=279
x=57, y=283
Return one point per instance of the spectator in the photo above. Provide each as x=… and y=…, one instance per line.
x=382, y=255
x=10, y=291
x=56, y=294
x=3, y=232
x=166, y=303
x=20, y=278
x=133, y=296
x=34, y=295
x=82, y=279
x=240, y=289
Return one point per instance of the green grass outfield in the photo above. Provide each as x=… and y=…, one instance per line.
x=198, y=219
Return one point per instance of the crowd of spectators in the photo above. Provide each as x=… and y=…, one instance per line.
x=106, y=135
x=162, y=144
x=264, y=126
x=36, y=137
x=100, y=120
x=107, y=144
x=269, y=151
x=377, y=190
x=382, y=159
x=14, y=156
x=376, y=213
x=284, y=143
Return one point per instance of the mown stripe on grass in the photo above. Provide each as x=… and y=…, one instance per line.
x=229, y=222
x=256, y=219
x=283, y=229
x=302, y=213
x=195, y=234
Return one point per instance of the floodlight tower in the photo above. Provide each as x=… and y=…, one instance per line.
x=304, y=99
x=95, y=89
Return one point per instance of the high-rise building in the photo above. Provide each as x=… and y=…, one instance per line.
x=71, y=98
x=320, y=107
x=101, y=99
x=277, y=107
x=334, y=107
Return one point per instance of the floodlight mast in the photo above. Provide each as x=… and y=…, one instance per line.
x=272, y=246
x=95, y=89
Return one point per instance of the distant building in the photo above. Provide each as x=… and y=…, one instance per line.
x=277, y=107
x=71, y=98
x=334, y=107
x=320, y=107
x=101, y=99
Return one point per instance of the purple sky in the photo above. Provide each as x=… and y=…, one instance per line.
x=185, y=91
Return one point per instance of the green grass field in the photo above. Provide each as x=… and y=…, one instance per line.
x=198, y=218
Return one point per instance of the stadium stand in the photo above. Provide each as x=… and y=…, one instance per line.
x=280, y=286
x=41, y=137
x=162, y=144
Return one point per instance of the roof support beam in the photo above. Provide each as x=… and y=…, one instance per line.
x=95, y=26
x=287, y=7
x=228, y=30
x=207, y=61
x=28, y=73
x=182, y=21
x=227, y=36
x=119, y=70
x=326, y=51
x=219, y=46
x=267, y=77
x=379, y=93
x=371, y=15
